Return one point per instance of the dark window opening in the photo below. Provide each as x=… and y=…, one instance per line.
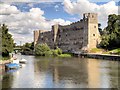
x=59, y=36
x=52, y=39
x=93, y=34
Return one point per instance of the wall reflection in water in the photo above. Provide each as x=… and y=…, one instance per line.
x=76, y=73
x=43, y=72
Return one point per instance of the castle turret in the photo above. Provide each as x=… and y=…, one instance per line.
x=91, y=33
x=36, y=36
x=55, y=31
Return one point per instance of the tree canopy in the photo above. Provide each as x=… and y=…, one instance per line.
x=7, y=41
x=111, y=34
x=42, y=50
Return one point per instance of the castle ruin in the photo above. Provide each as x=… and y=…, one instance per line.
x=81, y=35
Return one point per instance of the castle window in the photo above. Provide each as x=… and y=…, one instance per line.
x=41, y=38
x=94, y=26
x=92, y=16
x=59, y=36
x=93, y=34
x=66, y=34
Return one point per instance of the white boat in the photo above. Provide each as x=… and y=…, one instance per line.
x=23, y=60
x=16, y=61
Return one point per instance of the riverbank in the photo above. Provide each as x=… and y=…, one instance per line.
x=3, y=62
x=97, y=56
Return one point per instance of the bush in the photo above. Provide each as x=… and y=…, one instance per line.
x=65, y=55
x=59, y=51
x=55, y=52
x=42, y=50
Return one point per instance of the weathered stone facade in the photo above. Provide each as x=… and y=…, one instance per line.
x=81, y=35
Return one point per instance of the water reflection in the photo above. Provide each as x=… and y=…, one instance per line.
x=42, y=72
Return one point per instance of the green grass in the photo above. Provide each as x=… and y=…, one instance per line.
x=114, y=51
x=95, y=50
x=65, y=55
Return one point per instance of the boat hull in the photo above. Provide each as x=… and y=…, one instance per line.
x=12, y=66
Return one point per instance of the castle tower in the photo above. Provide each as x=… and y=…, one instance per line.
x=55, y=32
x=91, y=33
x=36, y=37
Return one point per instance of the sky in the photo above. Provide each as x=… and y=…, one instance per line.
x=24, y=16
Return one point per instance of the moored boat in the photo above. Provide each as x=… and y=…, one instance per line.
x=23, y=61
x=12, y=66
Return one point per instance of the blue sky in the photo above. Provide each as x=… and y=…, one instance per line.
x=50, y=12
x=25, y=16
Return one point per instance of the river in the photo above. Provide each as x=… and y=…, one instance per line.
x=43, y=72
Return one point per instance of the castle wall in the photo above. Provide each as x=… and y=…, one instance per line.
x=46, y=37
x=70, y=38
x=81, y=35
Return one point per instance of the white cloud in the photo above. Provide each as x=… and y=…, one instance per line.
x=84, y=6
x=56, y=7
x=22, y=24
x=8, y=9
x=9, y=1
x=61, y=21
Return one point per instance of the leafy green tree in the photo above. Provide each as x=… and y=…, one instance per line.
x=7, y=41
x=28, y=46
x=111, y=35
x=42, y=50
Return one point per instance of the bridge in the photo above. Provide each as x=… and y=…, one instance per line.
x=17, y=49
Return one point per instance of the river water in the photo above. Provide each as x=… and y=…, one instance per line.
x=43, y=72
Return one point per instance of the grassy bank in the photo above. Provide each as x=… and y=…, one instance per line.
x=114, y=51
x=103, y=51
x=97, y=50
x=65, y=55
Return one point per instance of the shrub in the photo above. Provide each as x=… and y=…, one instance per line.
x=55, y=52
x=42, y=50
x=59, y=51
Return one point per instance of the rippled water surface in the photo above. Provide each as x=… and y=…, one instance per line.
x=43, y=72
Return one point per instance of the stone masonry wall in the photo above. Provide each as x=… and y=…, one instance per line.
x=81, y=35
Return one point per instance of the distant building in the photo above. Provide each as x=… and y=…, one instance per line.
x=81, y=35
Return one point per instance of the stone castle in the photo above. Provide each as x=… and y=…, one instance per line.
x=81, y=35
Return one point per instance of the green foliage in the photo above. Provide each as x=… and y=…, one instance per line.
x=111, y=34
x=57, y=52
x=65, y=55
x=7, y=41
x=115, y=51
x=96, y=50
x=42, y=50
x=28, y=47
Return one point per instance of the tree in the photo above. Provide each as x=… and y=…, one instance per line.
x=42, y=50
x=7, y=41
x=111, y=34
x=28, y=46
